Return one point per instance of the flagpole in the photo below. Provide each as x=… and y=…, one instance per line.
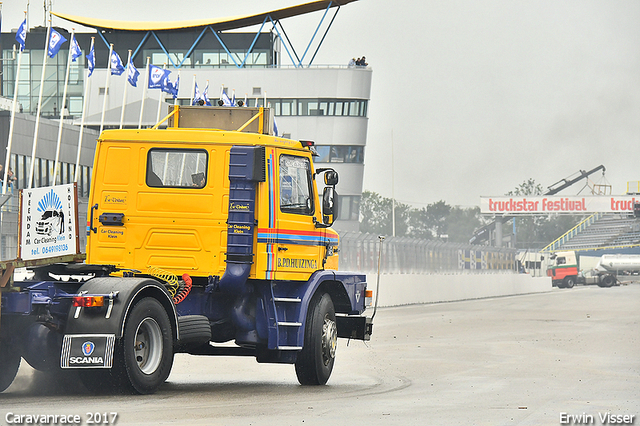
x=84, y=112
x=193, y=90
x=64, y=101
x=124, y=94
x=13, y=118
x=393, y=193
x=164, y=67
x=38, y=111
x=175, y=100
x=106, y=88
x=144, y=92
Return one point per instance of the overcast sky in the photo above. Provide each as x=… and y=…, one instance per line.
x=476, y=95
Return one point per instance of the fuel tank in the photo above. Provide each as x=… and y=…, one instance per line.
x=619, y=262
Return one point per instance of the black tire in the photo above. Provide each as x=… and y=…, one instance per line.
x=9, y=364
x=569, y=282
x=608, y=281
x=195, y=330
x=315, y=361
x=147, y=335
x=147, y=347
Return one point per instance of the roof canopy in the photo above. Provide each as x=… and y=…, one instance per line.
x=219, y=24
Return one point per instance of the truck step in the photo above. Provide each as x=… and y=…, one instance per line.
x=290, y=324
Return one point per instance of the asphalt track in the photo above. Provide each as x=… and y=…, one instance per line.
x=522, y=360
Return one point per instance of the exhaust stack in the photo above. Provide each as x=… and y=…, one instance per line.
x=246, y=168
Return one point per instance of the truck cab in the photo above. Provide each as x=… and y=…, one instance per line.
x=564, y=270
x=163, y=201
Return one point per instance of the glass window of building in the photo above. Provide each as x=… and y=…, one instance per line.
x=238, y=56
x=288, y=106
x=324, y=153
x=259, y=58
x=340, y=154
x=338, y=110
x=349, y=206
x=85, y=176
x=315, y=107
x=211, y=58
x=353, y=108
x=355, y=154
x=225, y=61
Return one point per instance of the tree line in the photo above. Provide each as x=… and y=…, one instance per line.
x=440, y=220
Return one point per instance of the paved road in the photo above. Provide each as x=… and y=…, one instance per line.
x=522, y=360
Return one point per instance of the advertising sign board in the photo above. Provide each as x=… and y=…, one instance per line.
x=48, y=222
x=512, y=205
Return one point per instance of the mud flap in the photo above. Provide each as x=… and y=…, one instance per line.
x=87, y=351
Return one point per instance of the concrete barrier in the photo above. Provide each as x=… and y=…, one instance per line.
x=405, y=289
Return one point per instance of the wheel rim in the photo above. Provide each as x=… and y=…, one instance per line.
x=148, y=346
x=329, y=340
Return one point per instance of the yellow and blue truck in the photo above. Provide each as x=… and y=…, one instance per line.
x=207, y=232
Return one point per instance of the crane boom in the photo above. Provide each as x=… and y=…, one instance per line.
x=482, y=234
x=567, y=183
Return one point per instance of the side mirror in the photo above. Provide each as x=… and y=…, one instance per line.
x=331, y=178
x=329, y=205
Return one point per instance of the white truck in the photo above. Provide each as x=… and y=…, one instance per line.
x=570, y=268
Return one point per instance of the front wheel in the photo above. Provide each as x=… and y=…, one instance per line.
x=9, y=364
x=315, y=360
x=569, y=282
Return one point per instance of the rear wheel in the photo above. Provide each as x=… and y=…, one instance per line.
x=315, y=360
x=608, y=281
x=143, y=358
x=569, y=282
x=9, y=364
x=147, y=346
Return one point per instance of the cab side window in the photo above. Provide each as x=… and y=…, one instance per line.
x=295, y=185
x=185, y=168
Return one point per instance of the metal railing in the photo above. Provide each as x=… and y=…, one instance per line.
x=403, y=255
x=572, y=232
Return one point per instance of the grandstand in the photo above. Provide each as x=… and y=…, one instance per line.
x=606, y=232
